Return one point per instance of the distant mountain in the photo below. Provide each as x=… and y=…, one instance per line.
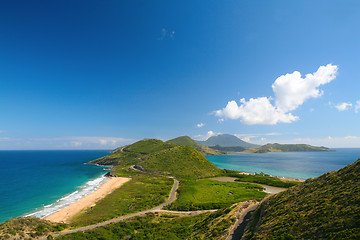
x=275, y=147
x=226, y=140
x=187, y=141
x=326, y=207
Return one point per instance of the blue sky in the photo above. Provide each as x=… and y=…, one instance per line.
x=100, y=74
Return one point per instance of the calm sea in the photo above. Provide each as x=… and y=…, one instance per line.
x=41, y=182
x=300, y=165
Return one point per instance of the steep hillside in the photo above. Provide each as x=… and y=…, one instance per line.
x=275, y=147
x=181, y=161
x=226, y=140
x=131, y=154
x=326, y=207
x=187, y=141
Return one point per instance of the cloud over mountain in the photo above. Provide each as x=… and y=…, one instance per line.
x=291, y=91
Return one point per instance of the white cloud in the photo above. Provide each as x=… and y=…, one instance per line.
x=291, y=91
x=343, y=106
x=246, y=139
x=199, y=125
x=201, y=137
x=357, y=106
x=255, y=111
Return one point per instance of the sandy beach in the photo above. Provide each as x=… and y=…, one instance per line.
x=65, y=214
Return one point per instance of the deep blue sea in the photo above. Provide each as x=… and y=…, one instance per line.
x=300, y=165
x=41, y=182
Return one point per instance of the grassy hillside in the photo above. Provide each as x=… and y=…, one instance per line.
x=187, y=141
x=28, y=228
x=275, y=147
x=226, y=140
x=131, y=154
x=326, y=207
x=162, y=157
x=181, y=162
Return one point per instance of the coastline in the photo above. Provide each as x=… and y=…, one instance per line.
x=279, y=177
x=65, y=214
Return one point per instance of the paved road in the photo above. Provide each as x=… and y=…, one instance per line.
x=171, y=198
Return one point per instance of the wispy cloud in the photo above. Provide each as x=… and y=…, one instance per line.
x=291, y=91
x=202, y=137
x=200, y=125
x=330, y=141
x=257, y=137
x=357, y=106
x=167, y=34
x=71, y=142
x=343, y=106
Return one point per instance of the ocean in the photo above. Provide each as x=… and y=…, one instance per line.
x=38, y=183
x=301, y=165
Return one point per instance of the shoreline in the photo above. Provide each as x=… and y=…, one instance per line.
x=279, y=177
x=65, y=214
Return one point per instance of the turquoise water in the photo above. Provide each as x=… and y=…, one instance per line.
x=300, y=165
x=40, y=182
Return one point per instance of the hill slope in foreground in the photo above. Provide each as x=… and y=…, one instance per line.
x=187, y=141
x=162, y=157
x=275, y=147
x=326, y=207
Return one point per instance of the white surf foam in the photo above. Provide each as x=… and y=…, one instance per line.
x=67, y=200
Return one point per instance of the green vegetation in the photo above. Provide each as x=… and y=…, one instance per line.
x=261, y=178
x=28, y=228
x=228, y=149
x=275, y=147
x=187, y=141
x=326, y=207
x=181, y=162
x=162, y=158
x=143, y=192
x=132, y=154
x=226, y=140
x=210, y=194
x=209, y=226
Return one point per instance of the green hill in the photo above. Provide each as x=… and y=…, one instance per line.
x=181, y=161
x=326, y=207
x=226, y=140
x=130, y=155
x=162, y=157
x=187, y=141
x=275, y=147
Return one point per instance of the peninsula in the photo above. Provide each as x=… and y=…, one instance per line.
x=172, y=191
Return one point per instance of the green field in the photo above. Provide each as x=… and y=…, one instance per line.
x=260, y=178
x=141, y=193
x=210, y=194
